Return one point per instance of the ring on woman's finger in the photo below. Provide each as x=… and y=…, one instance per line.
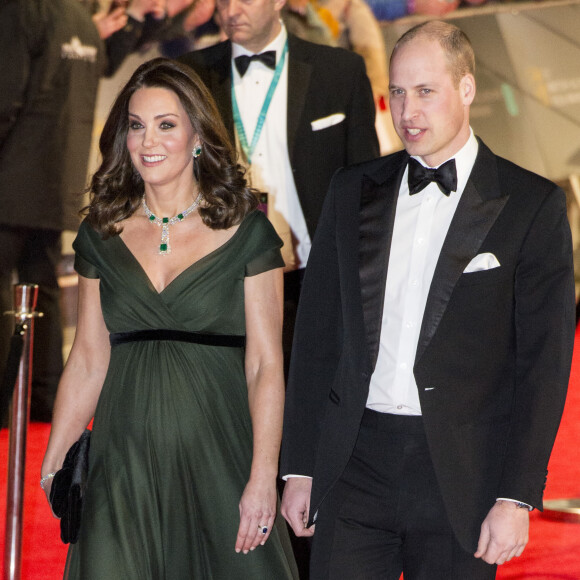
x=263, y=529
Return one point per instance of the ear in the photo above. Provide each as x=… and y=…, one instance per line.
x=467, y=89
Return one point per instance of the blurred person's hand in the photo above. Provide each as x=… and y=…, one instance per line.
x=176, y=6
x=298, y=6
x=108, y=23
x=139, y=8
x=201, y=12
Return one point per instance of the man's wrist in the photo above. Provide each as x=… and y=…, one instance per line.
x=518, y=504
x=292, y=475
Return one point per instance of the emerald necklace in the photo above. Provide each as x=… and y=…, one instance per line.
x=164, y=247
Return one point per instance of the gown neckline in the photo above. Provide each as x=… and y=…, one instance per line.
x=194, y=265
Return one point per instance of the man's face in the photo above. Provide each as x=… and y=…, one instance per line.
x=250, y=23
x=430, y=113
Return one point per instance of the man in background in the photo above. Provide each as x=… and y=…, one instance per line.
x=297, y=112
x=52, y=58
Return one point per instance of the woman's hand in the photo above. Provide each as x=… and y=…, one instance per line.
x=257, y=511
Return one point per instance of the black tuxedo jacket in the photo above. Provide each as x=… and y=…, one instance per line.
x=322, y=81
x=495, y=347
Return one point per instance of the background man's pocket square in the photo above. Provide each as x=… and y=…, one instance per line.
x=482, y=262
x=327, y=121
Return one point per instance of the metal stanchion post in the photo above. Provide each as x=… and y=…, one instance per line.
x=25, y=296
x=565, y=510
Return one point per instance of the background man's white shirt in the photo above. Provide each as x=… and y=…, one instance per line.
x=270, y=169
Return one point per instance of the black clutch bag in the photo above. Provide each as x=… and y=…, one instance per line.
x=68, y=488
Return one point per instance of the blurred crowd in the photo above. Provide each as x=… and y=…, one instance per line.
x=180, y=26
x=176, y=27
x=184, y=25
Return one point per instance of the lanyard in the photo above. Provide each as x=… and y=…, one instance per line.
x=249, y=149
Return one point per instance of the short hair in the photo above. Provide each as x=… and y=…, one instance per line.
x=455, y=43
x=116, y=188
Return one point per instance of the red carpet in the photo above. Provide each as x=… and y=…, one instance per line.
x=552, y=554
x=43, y=554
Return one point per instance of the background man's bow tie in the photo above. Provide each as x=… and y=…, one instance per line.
x=420, y=177
x=243, y=61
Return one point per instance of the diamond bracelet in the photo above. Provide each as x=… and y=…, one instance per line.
x=45, y=478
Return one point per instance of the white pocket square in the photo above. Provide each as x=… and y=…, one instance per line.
x=327, y=121
x=482, y=262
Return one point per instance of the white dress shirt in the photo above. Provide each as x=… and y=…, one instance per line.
x=421, y=224
x=270, y=170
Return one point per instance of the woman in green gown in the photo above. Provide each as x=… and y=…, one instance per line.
x=177, y=353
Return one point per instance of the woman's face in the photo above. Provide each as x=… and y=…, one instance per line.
x=160, y=139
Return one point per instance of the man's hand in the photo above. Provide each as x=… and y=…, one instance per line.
x=296, y=504
x=504, y=533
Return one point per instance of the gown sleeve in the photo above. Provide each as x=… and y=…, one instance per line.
x=267, y=255
x=82, y=246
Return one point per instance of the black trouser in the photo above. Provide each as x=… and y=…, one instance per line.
x=385, y=516
x=34, y=255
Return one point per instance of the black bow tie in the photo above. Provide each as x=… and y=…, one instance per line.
x=420, y=177
x=243, y=61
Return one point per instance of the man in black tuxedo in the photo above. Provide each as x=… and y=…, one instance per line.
x=433, y=343
x=319, y=117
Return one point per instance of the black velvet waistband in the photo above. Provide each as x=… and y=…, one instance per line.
x=233, y=340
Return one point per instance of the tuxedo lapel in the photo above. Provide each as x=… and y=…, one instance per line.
x=478, y=209
x=379, y=193
x=299, y=73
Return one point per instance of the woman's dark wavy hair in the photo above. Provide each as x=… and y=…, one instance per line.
x=116, y=188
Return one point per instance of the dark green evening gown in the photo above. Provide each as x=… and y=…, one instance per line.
x=172, y=437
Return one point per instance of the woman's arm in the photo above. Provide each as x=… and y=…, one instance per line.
x=264, y=375
x=82, y=379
